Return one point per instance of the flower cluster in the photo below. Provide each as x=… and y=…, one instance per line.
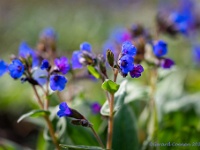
x=126, y=61
x=131, y=56
x=30, y=65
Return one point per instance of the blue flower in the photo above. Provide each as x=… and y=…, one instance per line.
x=62, y=64
x=16, y=69
x=166, y=63
x=48, y=33
x=75, y=60
x=160, y=48
x=45, y=64
x=126, y=63
x=25, y=51
x=196, y=54
x=40, y=76
x=136, y=72
x=57, y=82
x=96, y=107
x=184, y=18
x=128, y=48
x=64, y=110
x=3, y=67
x=85, y=46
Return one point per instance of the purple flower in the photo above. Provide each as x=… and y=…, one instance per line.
x=48, y=33
x=25, y=51
x=126, y=63
x=160, y=48
x=85, y=46
x=40, y=76
x=57, y=82
x=45, y=64
x=136, y=72
x=166, y=63
x=62, y=64
x=95, y=107
x=128, y=48
x=16, y=69
x=75, y=60
x=3, y=67
x=64, y=110
x=120, y=35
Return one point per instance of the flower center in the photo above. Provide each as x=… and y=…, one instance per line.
x=19, y=68
x=124, y=63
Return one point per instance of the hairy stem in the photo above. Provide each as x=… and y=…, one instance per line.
x=49, y=124
x=110, y=123
x=152, y=105
x=97, y=137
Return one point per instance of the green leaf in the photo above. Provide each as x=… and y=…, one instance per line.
x=80, y=135
x=34, y=113
x=81, y=147
x=125, y=130
x=93, y=71
x=118, y=101
x=110, y=86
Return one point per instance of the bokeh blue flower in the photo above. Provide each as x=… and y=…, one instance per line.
x=48, y=33
x=64, y=110
x=57, y=82
x=85, y=46
x=25, y=51
x=45, y=64
x=128, y=48
x=160, y=48
x=16, y=69
x=75, y=60
x=3, y=67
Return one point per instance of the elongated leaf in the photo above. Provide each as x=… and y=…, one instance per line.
x=34, y=113
x=80, y=147
x=110, y=86
x=118, y=102
x=93, y=71
x=125, y=130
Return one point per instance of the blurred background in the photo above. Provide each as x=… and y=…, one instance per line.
x=85, y=20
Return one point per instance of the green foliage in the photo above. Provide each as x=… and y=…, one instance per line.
x=125, y=130
x=93, y=71
x=34, y=113
x=118, y=101
x=82, y=147
x=110, y=86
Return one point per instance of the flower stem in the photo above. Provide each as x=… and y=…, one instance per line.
x=97, y=137
x=38, y=97
x=110, y=123
x=153, y=122
x=49, y=124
